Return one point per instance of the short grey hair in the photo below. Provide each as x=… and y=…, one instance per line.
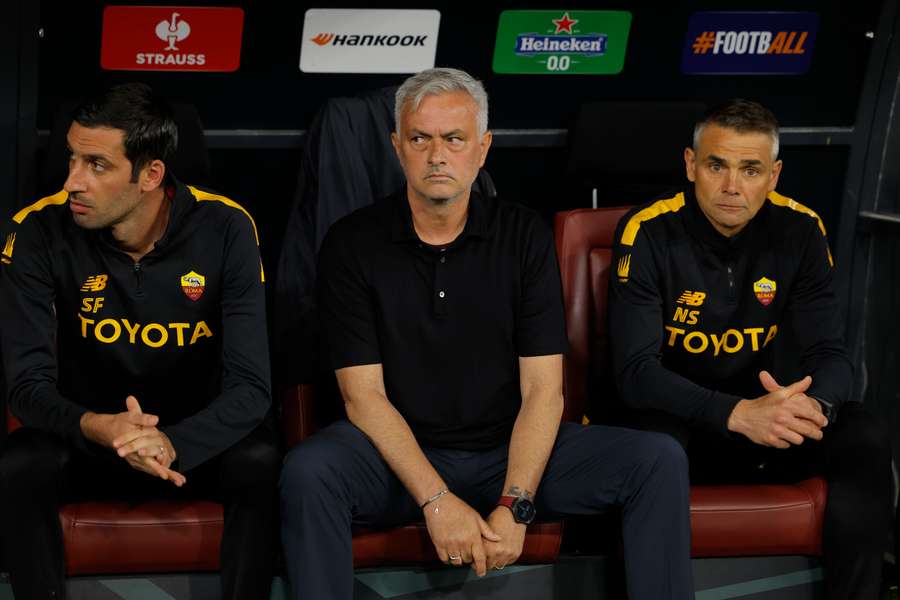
x=744, y=116
x=432, y=82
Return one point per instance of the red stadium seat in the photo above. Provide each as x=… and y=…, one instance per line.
x=732, y=520
x=156, y=536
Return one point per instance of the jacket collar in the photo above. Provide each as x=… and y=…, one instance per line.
x=700, y=228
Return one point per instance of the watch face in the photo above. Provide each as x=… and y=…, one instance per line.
x=523, y=510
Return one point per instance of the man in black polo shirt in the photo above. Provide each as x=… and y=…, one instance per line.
x=443, y=312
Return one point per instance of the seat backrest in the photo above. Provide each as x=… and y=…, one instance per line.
x=584, y=240
x=629, y=151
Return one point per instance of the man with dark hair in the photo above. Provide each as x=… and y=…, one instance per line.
x=443, y=312
x=710, y=284
x=134, y=348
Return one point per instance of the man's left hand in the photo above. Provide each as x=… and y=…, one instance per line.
x=512, y=537
x=150, y=450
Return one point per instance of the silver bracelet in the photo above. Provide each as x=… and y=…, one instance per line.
x=435, y=497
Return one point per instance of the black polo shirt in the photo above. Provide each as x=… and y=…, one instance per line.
x=447, y=325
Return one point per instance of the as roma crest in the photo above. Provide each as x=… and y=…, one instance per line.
x=192, y=285
x=765, y=291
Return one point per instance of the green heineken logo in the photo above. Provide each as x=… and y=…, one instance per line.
x=584, y=42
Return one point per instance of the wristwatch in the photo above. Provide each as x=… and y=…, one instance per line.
x=522, y=508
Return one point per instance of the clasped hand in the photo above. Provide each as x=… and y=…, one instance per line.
x=783, y=417
x=134, y=437
x=460, y=536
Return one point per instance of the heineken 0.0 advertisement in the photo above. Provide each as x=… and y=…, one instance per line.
x=562, y=42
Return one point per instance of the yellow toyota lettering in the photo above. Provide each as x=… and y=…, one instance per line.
x=696, y=335
x=739, y=343
x=718, y=342
x=163, y=335
x=179, y=331
x=754, y=332
x=731, y=341
x=674, y=332
x=84, y=323
x=107, y=339
x=132, y=330
x=201, y=330
x=153, y=335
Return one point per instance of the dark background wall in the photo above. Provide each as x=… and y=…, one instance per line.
x=270, y=92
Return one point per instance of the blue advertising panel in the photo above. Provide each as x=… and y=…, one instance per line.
x=749, y=43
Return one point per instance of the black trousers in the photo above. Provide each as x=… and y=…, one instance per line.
x=39, y=471
x=338, y=479
x=854, y=457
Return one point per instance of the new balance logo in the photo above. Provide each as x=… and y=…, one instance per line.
x=6, y=258
x=623, y=267
x=691, y=298
x=95, y=283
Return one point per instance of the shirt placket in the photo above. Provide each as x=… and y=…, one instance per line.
x=440, y=293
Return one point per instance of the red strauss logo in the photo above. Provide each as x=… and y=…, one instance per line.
x=323, y=38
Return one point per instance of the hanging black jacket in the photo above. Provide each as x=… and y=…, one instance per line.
x=694, y=315
x=183, y=329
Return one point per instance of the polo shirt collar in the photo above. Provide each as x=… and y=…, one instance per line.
x=477, y=220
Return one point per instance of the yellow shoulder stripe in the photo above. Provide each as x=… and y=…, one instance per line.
x=59, y=197
x=673, y=204
x=779, y=200
x=201, y=196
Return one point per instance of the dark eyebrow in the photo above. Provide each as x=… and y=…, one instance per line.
x=91, y=157
x=752, y=162
x=454, y=133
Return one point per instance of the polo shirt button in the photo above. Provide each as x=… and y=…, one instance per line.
x=441, y=293
x=443, y=259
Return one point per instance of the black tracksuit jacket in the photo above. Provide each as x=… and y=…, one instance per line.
x=694, y=315
x=184, y=329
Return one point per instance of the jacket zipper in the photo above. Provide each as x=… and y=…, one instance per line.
x=137, y=276
x=731, y=294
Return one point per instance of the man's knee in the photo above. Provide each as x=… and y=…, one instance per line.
x=311, y=468
x=660, y=459
x=666, y=452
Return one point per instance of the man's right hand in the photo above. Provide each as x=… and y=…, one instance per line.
x=456, y=530
x=103, y=428
x=783, y=417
